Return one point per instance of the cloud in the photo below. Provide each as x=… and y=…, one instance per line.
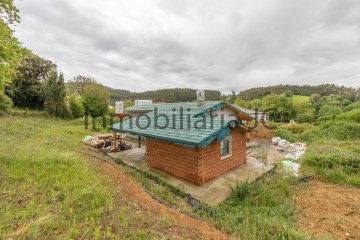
x=224, y=45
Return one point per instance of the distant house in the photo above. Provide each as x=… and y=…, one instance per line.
x=192, y=142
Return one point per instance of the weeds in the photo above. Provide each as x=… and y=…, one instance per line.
x=259, y=210
x=335, y=161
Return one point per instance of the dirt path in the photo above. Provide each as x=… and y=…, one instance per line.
x=181, y=226
x=329, y=210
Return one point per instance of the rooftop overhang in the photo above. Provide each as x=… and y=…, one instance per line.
x=239, y=113
x=171, y=135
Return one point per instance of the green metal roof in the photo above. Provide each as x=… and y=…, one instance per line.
x=186, y=134
x=176, y=123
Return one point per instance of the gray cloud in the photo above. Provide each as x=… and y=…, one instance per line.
x=224, y=45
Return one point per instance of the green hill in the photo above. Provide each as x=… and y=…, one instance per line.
x=304, y=90
x=161, y=95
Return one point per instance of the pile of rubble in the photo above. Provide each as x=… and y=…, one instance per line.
x=293, y=151
x=105, y=143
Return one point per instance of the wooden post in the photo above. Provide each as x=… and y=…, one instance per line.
x=114, y=147
x=139, y=142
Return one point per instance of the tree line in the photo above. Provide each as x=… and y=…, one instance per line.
x=163, y=95
x=305, y=90
x=303, y=109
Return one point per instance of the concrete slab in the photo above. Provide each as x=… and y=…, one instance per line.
x=212, y=192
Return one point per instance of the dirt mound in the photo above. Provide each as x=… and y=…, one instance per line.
x=329, y=210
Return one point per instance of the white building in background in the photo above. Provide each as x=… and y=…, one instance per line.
x=139, y=102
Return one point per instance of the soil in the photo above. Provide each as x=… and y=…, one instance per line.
x=328, y=210
x=181, y=227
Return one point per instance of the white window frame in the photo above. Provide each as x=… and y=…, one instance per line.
x=228, y=138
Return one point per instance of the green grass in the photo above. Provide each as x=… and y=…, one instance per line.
x=300, y=99
x=162, y=190
x=335, y=161
x=260, y=210
x=333, y=152
x=51, y=191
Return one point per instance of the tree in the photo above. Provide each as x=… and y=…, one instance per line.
x=76, y=107
x=242, y=103
x=10, y=52
x=8, y=11
x=95, y=100
x=329, y=112
x=315, y=101
x=284, y=106
x=10, y=49
x=304, y=112
x=5, y=104
x=55, y=93
x=255, y=104
x=354, y=105
x=232, y=97
x=78, y=83
x=278, y=105
x=26, y=86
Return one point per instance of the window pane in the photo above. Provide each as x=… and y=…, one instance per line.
x=225, y=147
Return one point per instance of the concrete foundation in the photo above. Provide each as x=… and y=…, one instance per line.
x=213, y=192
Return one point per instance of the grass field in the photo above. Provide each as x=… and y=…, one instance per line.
x=300, y=99
x=51, y=191
x=48, y=190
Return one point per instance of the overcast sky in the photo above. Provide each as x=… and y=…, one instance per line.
x=223, y=45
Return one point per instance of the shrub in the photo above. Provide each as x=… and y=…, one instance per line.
x=353, y=115
x=285, y=134
x=354, y=105
x=328, y=112
x=76, y=108
x=5, y=104
x=258, y=210
x=341, y=131
x=95, y=100
x=334, y=165
x=297, y=128
x=333, y=131
x=111, y=112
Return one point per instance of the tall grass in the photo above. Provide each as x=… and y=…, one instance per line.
x=335, y=161
x=259, y=210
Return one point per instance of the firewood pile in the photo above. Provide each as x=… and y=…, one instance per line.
x=105, y=143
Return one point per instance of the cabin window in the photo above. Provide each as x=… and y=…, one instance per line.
x=226, y=147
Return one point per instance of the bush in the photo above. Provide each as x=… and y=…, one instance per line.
x=341, y=131
x=328, y=112
x=111, y=112
x=95, y=100
x=258, y=210
x=335, y=165
x=352, y=115
x=297, y=128
x=5, y=104
x=354, y=105
x=285, y=134
x=76, y=108
x=332, y=130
